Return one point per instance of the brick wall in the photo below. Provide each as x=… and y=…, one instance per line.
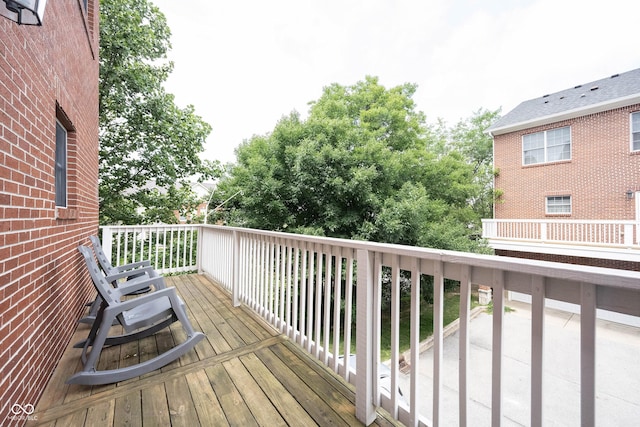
x=601, y=170
x=594, y=262
x=46, y=73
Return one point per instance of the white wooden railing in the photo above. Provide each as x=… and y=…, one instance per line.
x=301, y=285
x=170, y=248
x=581, y=232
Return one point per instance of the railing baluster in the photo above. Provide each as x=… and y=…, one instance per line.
x=463, y=366
x=274, y=294
x=395, y=332
x=301, y=319
x=326, y=306
x=263, y=275
x=497, y=347
x=309, y=313
x=126, y=249
x=287, y=294
x=348, y=303
x=438, y=299
x=337, y=300
x=377, y=323
x=415, y=341
x=273, y=272
x=537, y=348
x=587, y=355
x=317, y=321
x=235, y=262
x=293, y=319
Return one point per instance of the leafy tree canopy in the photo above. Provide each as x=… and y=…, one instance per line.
x=470, y=139
x=148, y=145
x=363, y=165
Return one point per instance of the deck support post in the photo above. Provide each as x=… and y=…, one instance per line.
x=365, y=408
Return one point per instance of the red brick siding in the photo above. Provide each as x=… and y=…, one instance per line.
x=601, y=170
x=594, y=262
x=43, y=284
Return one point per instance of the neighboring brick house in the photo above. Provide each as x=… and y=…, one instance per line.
x=48, y=191
x=568, y=167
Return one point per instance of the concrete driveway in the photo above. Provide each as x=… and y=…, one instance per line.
x=617, y=372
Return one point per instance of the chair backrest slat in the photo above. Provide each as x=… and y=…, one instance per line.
x=107, y=292
x=105, y=263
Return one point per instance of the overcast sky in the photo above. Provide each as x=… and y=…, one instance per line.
x=244, y=64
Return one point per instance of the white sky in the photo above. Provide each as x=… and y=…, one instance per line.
x=244, y=64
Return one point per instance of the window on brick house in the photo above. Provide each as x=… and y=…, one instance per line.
x=61, y=165
x=558, y=204
x=635, y=131
x=547, y=146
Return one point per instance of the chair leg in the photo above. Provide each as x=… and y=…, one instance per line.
x=93, y=310
x=97, y=341
x=92, y=334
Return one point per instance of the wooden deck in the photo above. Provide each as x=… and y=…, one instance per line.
x=244, y=373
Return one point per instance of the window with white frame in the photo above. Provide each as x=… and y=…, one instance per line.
x=546, y=146
x=635, y=131
x=61, y=165
x=558, y=205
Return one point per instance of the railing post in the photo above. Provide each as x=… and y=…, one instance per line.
x=107, y=242
x=365, y=409
x=489, y=228
x=543, y=231
x=628, y=235
x=235, y=261
x=200, y=230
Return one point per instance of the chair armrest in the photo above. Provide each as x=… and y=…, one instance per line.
x=124, y=274
x=140, y=283
x=133, y=265
x=143, y=299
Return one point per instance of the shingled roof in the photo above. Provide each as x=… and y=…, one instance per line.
x=612, y=92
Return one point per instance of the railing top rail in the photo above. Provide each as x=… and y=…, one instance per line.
x=577, y=273
x=146, y=226
x=561, y=221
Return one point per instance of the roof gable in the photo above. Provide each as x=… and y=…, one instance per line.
x=588, y=98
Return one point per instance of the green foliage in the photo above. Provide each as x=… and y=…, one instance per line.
x=469, y=137
x=165, y=250
x=363, y=165
x=146, y=141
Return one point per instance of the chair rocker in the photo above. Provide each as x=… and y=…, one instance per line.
x=140, y=317
x=115, y=274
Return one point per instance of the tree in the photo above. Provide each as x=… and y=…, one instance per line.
x=469, y=137
x=148, y=145
x=361, y=166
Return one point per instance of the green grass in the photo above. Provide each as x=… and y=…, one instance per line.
x=489, y=308
x=451, y=313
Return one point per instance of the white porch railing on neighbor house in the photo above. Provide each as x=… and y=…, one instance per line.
x=302, y=285
x=580, y=232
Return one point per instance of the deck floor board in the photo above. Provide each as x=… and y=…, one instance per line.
x=244, y=373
